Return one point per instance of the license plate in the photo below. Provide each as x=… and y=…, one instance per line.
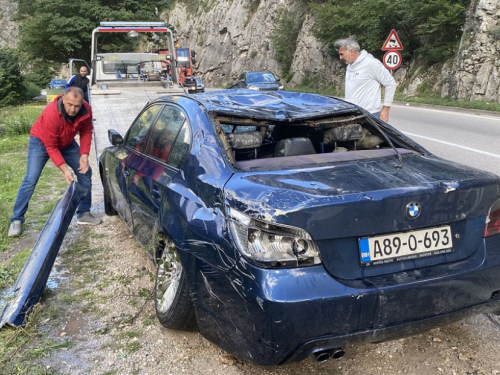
x=403, y=246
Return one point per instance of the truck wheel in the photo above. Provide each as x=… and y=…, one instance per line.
x=108, y=205
x=173, y=304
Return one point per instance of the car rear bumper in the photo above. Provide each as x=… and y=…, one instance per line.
x=271, y=317
x=391, y=332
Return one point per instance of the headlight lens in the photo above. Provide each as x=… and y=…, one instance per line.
x=272, y=245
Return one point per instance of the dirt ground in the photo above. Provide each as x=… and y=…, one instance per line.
x=101, y=288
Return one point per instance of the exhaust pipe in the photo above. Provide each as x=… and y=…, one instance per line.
x=337, y=353
x=325, y=355
x=322, y=356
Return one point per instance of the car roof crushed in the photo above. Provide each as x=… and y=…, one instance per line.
x=272, y=105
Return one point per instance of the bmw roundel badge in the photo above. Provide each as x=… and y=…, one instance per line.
x=413, y=210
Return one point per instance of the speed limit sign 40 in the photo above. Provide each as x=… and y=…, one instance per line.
x=392, y=59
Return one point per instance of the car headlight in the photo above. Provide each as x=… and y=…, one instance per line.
x=253, y=88
x=272, y=245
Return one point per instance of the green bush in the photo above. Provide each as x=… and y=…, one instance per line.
x=12, y=91
x=32, y=90
x=284, y=39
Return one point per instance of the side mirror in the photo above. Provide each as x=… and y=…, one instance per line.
x=278, y=79
x=115, y=138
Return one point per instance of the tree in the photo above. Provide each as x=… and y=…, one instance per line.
x=12, y=90
x=56, y=30
x=431, y=28
x=284, y=38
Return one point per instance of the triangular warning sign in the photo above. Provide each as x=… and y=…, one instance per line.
x=392, y=43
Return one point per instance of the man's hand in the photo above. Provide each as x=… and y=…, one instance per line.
x=68, y=176
x=384, y=113
x=84, y=164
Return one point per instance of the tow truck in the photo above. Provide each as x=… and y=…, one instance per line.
x=122, y=83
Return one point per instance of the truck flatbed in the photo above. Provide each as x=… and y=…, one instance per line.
x=116, y=107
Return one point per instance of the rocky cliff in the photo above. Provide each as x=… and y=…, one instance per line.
x=228, y=36
x=475, y=74
x=9, y=30
x=231, y=36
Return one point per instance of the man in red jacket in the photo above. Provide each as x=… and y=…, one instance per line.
x=53, y=136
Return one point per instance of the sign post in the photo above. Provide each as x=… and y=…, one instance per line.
x=392, y=58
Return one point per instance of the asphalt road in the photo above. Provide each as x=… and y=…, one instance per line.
x=465, y=137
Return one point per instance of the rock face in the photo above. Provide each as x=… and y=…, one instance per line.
x=231, y=36
x=311, y=61
x=9, y=34
x=228, y=36
x=475, y=73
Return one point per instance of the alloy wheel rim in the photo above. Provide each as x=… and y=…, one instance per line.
x=168, y=280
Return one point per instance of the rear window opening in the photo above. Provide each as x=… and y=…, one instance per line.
x=267, y=145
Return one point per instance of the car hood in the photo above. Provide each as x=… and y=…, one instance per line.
x=365, y=197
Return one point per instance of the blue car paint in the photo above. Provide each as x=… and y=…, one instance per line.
x=273, y=316
x=36, y=271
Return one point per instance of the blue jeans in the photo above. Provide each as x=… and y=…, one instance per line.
x=37, y=158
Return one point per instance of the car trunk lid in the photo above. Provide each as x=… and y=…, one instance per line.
x=344, y=202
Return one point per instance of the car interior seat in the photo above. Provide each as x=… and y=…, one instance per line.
x=346, y=135
x=245, y=144
x=294, y=146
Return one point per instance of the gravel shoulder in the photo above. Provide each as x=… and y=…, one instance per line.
x=102, y=291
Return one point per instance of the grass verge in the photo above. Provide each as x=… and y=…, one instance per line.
x=21, y=347
x=50, y=187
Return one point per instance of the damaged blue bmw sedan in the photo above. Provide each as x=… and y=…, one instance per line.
x=285, y=225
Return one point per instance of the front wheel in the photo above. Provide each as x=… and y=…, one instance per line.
x=173, y=304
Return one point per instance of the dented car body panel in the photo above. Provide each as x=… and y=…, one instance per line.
x=288, y=212
x=35, y=273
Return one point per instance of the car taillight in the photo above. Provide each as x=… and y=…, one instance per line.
x=272, y=245
x=493, y=220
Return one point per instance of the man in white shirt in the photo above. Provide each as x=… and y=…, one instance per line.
x=365, y=75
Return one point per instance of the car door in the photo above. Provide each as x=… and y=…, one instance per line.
x=168, y=144
x=130, y=158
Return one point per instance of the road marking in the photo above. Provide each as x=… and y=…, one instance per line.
x=453, y=144
x=493, y=116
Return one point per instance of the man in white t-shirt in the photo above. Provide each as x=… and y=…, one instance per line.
x=365, y=76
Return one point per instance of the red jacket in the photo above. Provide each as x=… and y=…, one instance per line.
x=57, y=133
